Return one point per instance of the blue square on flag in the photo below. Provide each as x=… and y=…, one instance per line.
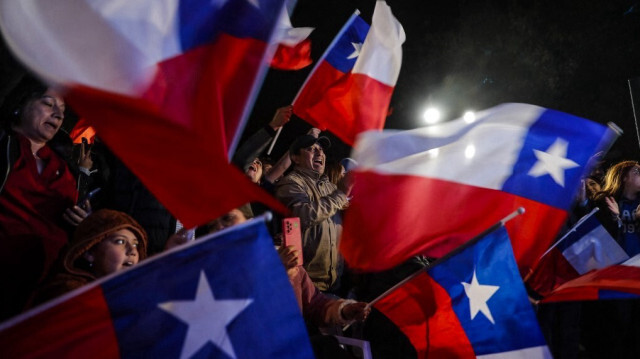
x=489, y=299
x=347, y=45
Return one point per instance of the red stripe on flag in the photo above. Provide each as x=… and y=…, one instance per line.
x=410, y=215
x=180, y=165
x=292, y=57
x=421, y=306
x=620, y=278
x=176, y=139
x=345, y=104
x=77, y=328
x=181, y=82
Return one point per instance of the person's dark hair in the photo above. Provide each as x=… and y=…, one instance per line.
x=27, y=89
x=266, y=160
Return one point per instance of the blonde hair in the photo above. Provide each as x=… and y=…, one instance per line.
x=613, y=184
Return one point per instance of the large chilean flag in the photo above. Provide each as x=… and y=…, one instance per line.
x=470, y=305
x=217, y=297
x=350, y=88
x=167, y=84
x=426, y=191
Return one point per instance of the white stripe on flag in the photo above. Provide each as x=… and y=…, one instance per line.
x=633, y=262
x=528, y=353
x=448, y=151
x=381, y=54
x=595, y=250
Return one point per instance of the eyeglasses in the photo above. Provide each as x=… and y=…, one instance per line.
x=635, y=171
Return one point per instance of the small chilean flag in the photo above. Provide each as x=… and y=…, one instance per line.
x=587, y=246
x=350, y=88
x=621, y=281
x=427, y=190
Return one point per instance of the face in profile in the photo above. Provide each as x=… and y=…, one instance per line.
x=118, y=251
x=254, y=172
x=41, y=118
x=592, y=187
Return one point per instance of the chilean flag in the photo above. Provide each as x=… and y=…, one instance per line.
x=426, y=191
x=472, y=304
x=587, y=246
x=212, y=298
x=294, y=45
x=167, y=84
x=350, y=88
x=620, y=281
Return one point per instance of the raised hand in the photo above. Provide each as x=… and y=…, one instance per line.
x=282, y=116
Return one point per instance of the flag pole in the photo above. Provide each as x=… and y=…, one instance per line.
x=324, y=55
x=633, y=107
x=457, y=250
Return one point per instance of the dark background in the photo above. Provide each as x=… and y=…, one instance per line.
x=569, y=55
x=572, y=56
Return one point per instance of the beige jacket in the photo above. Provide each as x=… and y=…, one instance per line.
x=317, y=202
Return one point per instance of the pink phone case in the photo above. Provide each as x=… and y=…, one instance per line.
x=292, y=236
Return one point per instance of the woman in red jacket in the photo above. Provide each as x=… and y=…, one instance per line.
x=37, y=192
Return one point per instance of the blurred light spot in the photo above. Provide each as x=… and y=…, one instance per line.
x=431, y=116
x=470, y=151
x=433, y=153
x=469, y=116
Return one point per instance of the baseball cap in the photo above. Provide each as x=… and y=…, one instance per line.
x=308, y=141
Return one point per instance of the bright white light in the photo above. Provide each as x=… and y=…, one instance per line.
x=431, y=116
x=433, y=153
x=469, y=116
x=470, y=151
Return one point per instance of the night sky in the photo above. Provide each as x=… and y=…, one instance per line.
x=572, y=56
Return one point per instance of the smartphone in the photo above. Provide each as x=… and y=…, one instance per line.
x=292, y=236
x=89, y=196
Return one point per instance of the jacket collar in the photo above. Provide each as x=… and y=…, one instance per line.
x=307, y=172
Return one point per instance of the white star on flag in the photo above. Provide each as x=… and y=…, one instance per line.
x=207, y=319
x=553, y=161
x=478, y=296
x=357, y=46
